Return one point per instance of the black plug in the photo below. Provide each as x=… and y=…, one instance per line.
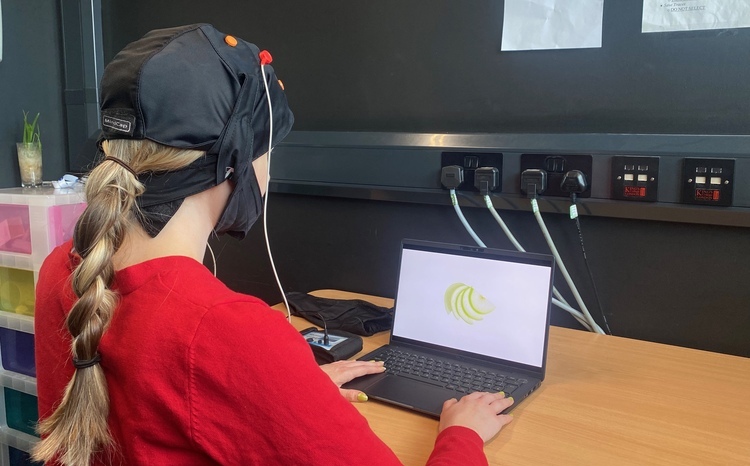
x=452, y=176
x=533, y=182
x=486, y=179
x=574, y=182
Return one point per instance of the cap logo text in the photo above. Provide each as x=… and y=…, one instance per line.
x=117, y=124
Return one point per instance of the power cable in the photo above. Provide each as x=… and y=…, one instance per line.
x=588, y=268
x=561, y=266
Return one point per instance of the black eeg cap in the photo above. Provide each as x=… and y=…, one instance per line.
x=191, y=87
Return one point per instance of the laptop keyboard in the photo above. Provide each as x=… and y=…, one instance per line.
x=447, y=374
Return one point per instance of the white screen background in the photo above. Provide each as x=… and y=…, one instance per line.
x=514, y=331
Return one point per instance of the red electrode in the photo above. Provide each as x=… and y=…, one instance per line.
x=265, y=57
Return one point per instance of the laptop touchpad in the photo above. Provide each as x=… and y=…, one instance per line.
x=410, y=393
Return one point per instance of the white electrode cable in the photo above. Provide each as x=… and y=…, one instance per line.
x=268, y=193
x=560, y=300
x=457, y=208
x=213, y=257
x=561, y=265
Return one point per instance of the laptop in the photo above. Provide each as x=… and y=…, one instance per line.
x=466, y=319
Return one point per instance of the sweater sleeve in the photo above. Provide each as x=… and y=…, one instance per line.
x=458, y=445
x=258, y=397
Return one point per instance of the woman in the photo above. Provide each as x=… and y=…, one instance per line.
x=144, y=357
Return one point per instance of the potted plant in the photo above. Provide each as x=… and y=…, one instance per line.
x=30, y=153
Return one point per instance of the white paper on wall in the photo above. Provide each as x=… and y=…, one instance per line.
x=690, y=15
x=552, y=24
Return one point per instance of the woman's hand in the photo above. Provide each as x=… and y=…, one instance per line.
x=479, y=411
x=342, y=372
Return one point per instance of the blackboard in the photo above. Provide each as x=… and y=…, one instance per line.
x=418, y=66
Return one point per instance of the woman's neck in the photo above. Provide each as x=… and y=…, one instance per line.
x=186, y=233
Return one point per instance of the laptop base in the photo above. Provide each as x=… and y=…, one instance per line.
x=424, y=396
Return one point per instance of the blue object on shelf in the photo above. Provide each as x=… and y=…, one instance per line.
x=17, y=349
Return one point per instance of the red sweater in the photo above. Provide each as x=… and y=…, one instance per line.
x=198, y=374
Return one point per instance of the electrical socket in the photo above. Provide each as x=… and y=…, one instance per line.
x=707, y=181
x=556, y=166
x=470, y=161
x=635, y=178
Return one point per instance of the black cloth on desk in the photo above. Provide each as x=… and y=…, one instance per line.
x=351, y=315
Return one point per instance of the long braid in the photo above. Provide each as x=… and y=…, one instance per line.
x=78, y=427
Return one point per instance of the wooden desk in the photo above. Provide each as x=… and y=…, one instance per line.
x=605, y=401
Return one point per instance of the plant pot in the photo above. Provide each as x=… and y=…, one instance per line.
x=30, y=163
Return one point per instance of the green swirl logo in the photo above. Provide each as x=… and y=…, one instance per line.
x=466, y=303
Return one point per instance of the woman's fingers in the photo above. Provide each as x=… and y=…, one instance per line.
x=501, y=404
x=449, y=403
x=354, y=369
x=341, y=372
x=478, y=411
x=498, y=401
x=355, y=396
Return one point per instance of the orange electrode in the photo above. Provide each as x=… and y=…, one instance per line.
x=231, y=41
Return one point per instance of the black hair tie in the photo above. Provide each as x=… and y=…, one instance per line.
x=120, y=163
x=84, y=363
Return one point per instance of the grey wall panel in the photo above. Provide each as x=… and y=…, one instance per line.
x=667, y=282
x=406, y=167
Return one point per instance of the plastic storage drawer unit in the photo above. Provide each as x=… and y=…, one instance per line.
x=17, y=291
x=17, y=351
x=18, y=414
x=21, y=412
x=32, y=223
x=18, y=457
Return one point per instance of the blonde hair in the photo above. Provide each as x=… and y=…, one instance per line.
x=78, y=427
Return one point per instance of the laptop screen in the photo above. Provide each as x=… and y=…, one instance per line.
x=479, y=301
